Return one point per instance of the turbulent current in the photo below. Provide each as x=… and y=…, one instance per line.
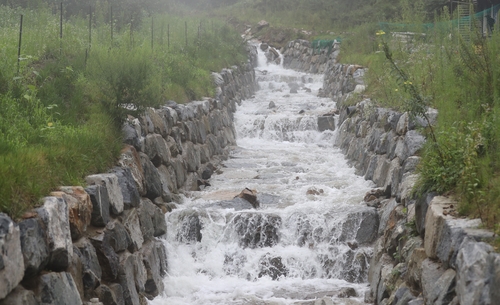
x=304, y=244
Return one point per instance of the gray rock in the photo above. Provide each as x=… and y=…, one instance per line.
x=386, y=210
x=152, y=181
x=375, y=276
x=326, y=123
x=130, y=135
x=256, y=230
x=76, y=271
x=444, y=289
x=402, y=126
x=153, y=263
x=414, y=141
x=474, y=273
x=92, y=271
x=495, y=278
x=108, y=260
x=117, y=236
x=130, y=159
x=421, y=206
x=157, y=149
x=100, y=205
x=57, y=289
x=431, y=272
x=11, y=256
x=127, y=278
x=154, y=213
x=368, y=227
x=34, y=246
x=271, y=105
x=20, y=296
x=128, y=186
x=133, y=226
x=417, y=301
x=55, y=218
x=272, y=266
x=110, y=181
x=108, y=296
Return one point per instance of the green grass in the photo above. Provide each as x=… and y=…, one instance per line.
x=61, y=114
x=459, y=77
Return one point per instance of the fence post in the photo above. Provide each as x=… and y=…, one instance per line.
x=20, y=40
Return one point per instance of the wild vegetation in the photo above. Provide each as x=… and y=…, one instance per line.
x=62, y=103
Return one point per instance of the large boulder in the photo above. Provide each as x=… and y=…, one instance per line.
x=100, y=205
x=79, y=207
x=34, y=246
x=11, y=257
x=55, y=218
x=154, y=263
x=474, y=273
x=128, y=186
x=110, y=181
x=57, y=289
x=92, y=271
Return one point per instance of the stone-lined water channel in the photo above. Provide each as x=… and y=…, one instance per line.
x=304, y=243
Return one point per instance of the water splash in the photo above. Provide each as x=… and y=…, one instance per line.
x=304, y=242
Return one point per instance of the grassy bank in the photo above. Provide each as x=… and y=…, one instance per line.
x=61, y=105
x=457, y=74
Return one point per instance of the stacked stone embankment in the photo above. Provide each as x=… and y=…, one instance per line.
x=425, y=253
x=301, y=56
x=99, y=244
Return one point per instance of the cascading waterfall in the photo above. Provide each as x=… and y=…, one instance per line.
x=310, y=238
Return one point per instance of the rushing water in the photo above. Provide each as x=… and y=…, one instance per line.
x=300, y=245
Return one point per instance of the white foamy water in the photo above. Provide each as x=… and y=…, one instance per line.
x=294, y=249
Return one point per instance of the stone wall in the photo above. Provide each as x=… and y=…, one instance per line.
x=299, y=55
x=425, y=253
x=99, y=244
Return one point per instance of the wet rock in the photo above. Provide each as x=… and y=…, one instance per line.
x=55, y=218
x=250, y=196
x=367, y=230
x=326, y=123
x=153, y=263
x=92, y=271
x=57, y=288
x=34, y=246
x=272, y=266
x=314, y=191
x=152, y=220
x=20, y=296
x=375, y=276
x=128, y=186
x=347, y=292
x=11, y=257
x=207, y=174
x=257, y=230
x=110, y=181
x=107, y=296
x=271, y=105
x=132, y=224
x=152, y=181
x=100, y=205
x=127, y=278
x=190, y=229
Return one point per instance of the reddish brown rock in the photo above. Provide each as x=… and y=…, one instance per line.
x=79, y=206
x=250, y=196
